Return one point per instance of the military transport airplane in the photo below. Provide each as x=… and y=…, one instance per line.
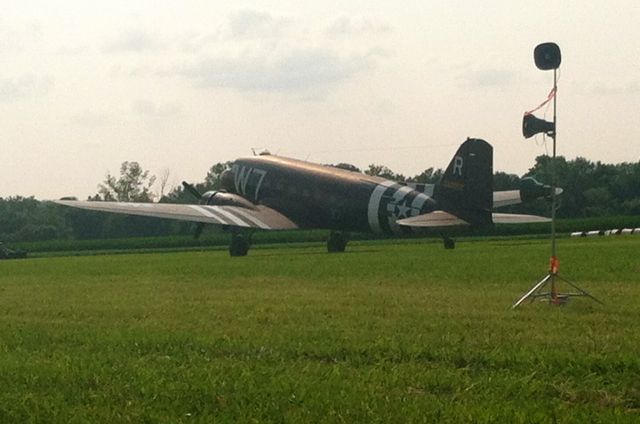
x=269, y=192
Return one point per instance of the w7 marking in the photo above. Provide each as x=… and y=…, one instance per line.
x=244, y=179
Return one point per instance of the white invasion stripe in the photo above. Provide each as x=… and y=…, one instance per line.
x=398, y=196
x=418, y=202
x=374, y=205
x=205, y=212
x=252, y=218
x=228, y=215
x=422, y=188
x=401, y=193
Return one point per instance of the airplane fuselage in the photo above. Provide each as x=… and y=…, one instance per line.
x=317, y=196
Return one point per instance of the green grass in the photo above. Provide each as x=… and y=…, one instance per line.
x=383, y=333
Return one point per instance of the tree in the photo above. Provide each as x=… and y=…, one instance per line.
x=212, y=181
x=428, y=176
x=384, y=172
x=504, y=181
x=347, y=167
x=164, y=180
x=134, y=185
x=27, y=219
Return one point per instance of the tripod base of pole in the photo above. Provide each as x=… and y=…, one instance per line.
x=553, y=296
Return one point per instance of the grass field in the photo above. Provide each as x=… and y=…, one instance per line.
x=383, y=333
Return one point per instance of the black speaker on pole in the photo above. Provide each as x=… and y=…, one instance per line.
x=547, y=56
x=532, y=126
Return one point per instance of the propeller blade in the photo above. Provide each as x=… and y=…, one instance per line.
x=191, y=189
x=197, y=231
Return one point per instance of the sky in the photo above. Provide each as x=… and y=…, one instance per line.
x=180, y=86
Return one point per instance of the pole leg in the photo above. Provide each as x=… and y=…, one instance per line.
x=584, y=292
x=534, y=289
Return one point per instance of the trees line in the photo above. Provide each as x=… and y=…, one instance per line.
x=591, y=189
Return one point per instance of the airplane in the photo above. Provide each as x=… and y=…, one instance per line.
x=269, y=192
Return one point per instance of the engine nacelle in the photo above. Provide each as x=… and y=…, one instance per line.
x=531, y=189
x=222, y=198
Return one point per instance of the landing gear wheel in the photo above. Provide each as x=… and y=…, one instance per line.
x=337, y=241
x=239, y=245
x=449, y=243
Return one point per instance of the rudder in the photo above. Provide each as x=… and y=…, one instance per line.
x=466, y=187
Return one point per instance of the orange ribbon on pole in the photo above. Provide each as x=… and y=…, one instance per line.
x=550, y=97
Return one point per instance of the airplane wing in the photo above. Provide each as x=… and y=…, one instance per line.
x=445, y=219
x=261, y=217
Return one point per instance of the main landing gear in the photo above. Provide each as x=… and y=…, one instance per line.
x=449, y=243
x=239, y=244
x=337, y=241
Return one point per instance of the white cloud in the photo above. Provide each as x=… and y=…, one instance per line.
x=195, y=41
x=27, y=85
x=19, y=37
x=295, y=70
x=251, y=24
x=148, y=109
x=92, y=119
x=257, y=51
x=349, y=26
x=263, y=52
x=384, y=107
x=612, y=88
x=134, y=41
x=487, y=78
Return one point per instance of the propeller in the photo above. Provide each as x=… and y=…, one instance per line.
x=197, y=231
x=191, y=189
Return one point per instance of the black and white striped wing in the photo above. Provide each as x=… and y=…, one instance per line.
x=261, y=217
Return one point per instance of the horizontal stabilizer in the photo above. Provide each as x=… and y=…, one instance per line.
x=512, y=218
x=445, y=219
x=433, y=219
x=506, y=198
x=514, y=197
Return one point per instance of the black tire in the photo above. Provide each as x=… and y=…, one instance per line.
x=449, y=243
x=337, y=242
x=239, y=246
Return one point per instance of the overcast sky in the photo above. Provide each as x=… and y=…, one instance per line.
x=173, y=85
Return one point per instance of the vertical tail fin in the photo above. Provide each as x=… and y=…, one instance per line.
x=466, y=187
